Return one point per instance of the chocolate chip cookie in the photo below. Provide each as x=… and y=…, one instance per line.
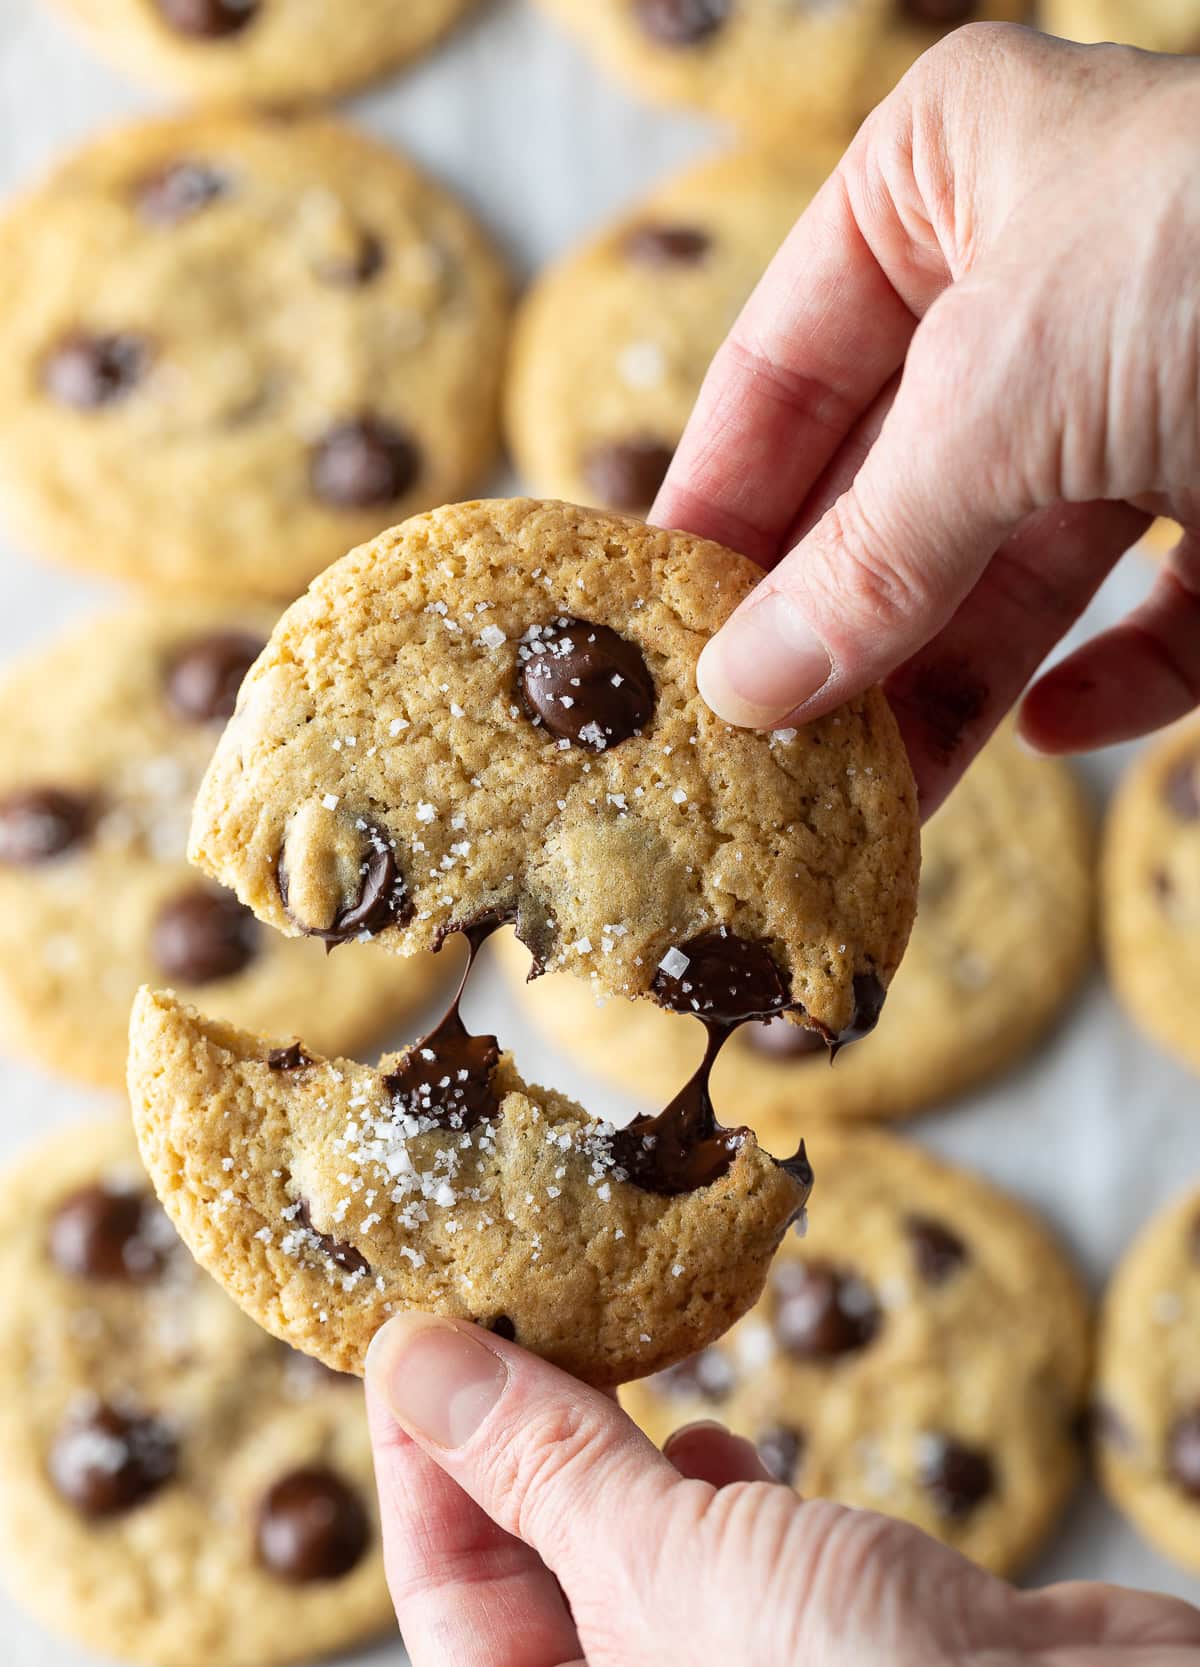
x=1146, y=1419
x=1151, y=890
x=492, y=710
x=276, y=335
x=1154, y=25
x=1007, y=863
x=922, y=1352
x=273, y=52
x=326, y=1196
x=612, y=343
x=104, y=736
x=772, y=66
x=179, y=1489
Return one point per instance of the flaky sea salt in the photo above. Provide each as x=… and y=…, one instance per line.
x=674, y=964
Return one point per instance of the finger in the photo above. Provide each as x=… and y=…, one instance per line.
x=1077, y=1613
x=1142, y=674
x=707, y=1452
x=549, y=1460
x=466, y=1593
x=822, y=333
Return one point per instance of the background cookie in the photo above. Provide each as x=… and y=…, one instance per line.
x=278, y=336
x=1155, y=25
x=492, y=710
x=104, y=736
x=179, y=1489
x=771, y=67
x=923, y=1351
x=1003, y=935
x=1147, y=1421
x=612, y=342
x=1151, y=890
x=262, y=51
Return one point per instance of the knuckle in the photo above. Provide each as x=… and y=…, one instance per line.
x=867, y=574
x=539, y=1463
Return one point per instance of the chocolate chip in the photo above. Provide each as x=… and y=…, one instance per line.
x=1181, y=789
x=180, y=190
x=202, y=935
x=291, y=1058
x=820, y=1311
x=721, y=977
x=379, y=901
x=363, y=464
x=781, y=1449
x=502, y=1326
x=1183, y=1452
x=585, y=683
x=88, y=371
x=956, y=1477
x=102, y=1233
x=354, y=269
x=707, y=1376
x=448, y=1077
x=38, y=824
x=204, y=675
x=208, y=19
x=626, y=474
x=657, y=244
x=345, y=1255
x=942, y=13
x=105, y=1462
x=681, y=22
x=311, y=1526
x=780, y=1039
x=937, y=1251
x=869, y=997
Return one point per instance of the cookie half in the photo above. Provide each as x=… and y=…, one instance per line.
x=179, y=1489
x=277, y=335
x=1003, y=936
x=1151, y=890
x=104, y=737
x=274, y=52
x=325, y=1196
x=1147, y=1412
x=923, y=1352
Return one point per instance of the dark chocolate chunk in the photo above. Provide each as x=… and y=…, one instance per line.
x=780, y=1039
x=208, y=19
x=179, y=191
x=585, y=683
x=869, y=997
x=364, y=463
x=202, y=935
x=352, y=270
x=501, y=1326
x=940, y=13
x=721, y=977
x=106, y=1462
x=87, y=371
x=291, y=1058
x=1181, y=789
x=781, y=1449
x=102, y=1233
x=1183, y=1452
x=345, y=1255
x=448, y=1077
x=707, y=1376
x=311, y=1527
x=38, y=824
x=957, y=1478
x=937, y=1252
x=681, y=22
x=820, y=1311
x=203, y=676
x=657, y=244
x=380, y=901
x=626, y=474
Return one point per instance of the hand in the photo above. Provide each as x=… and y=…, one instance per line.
x=528, y=1523
x=964, y=383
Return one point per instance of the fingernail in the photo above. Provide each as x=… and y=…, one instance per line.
x=763, y=664
x=437, y=1379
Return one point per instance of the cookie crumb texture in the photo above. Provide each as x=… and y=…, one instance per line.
x=180, y=1490
x=325, y=1198
x=1151, y=891
x=493, y=710
x=278, y=335
x=923, y=1352
x=104, y=737
x=273, y=52
x=1146, y=1422
x=772, y=68
x=1008, y=862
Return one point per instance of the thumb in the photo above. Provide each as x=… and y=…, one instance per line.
x=888, y=564
x=548, y=1459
